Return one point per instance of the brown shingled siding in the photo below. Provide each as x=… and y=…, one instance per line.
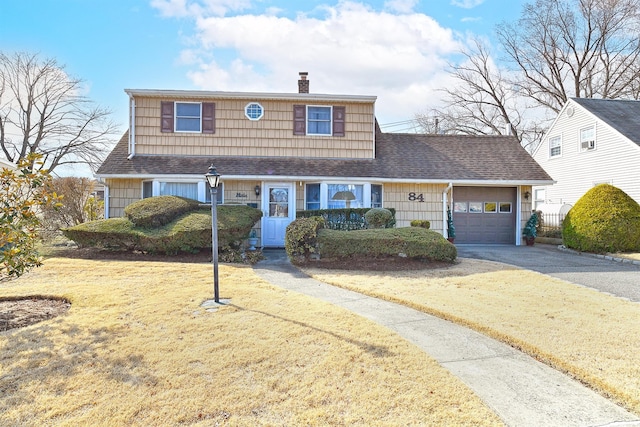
x=270, y=136
x=397, y=196
x=122, y=192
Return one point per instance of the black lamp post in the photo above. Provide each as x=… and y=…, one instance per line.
x=213, y=178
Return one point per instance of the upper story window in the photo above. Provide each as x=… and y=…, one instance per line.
x=588, y=138
x=253, y=111
x=326, y=120
x=195, y=117
x=555, y=146
x=318, y=120
x=188, y=117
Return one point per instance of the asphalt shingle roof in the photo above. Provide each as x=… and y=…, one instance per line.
x=621, y=115
x=398, y=157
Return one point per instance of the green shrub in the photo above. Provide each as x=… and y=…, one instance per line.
x=158, y=211
x=189, y=232
x=530, y=228
x=605, y=219
x=345, y=219
x=411, y=242
x=378, y=217
x=300, y=238
x=423, y=223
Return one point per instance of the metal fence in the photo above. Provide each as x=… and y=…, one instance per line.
x=550, y=225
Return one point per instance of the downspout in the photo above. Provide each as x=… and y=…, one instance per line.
x=132, y=127
x=106, y=201
x=445, y=199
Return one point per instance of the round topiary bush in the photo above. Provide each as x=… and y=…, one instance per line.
x=378, y=217
x=605, y=219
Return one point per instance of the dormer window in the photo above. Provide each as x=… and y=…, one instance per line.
x=319, y=120
x=588, y=138
x=193, y=117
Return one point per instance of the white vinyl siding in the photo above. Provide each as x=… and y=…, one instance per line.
x=615, y=159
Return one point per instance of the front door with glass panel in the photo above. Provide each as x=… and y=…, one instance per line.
x=279, y=210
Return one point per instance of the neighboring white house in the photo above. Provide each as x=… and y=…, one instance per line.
x=592, y=141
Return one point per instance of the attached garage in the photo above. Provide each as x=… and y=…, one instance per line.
x=485, y=215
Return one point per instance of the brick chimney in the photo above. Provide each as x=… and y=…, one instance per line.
x=303, y=83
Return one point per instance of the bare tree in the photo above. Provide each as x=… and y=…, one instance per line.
x=484, y=102
x=43, y=111
x=575, y=48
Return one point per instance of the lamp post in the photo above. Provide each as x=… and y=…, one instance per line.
x=213, y=178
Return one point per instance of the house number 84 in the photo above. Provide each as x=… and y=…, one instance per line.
x=413, y=197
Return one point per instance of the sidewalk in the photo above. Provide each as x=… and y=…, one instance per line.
x=522, y=391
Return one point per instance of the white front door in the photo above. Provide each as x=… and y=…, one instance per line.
x=278, y=205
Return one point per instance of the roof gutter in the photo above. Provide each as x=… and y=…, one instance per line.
x=132, y=127
x=471, y=183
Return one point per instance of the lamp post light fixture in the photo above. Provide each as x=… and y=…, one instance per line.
x=213, y=178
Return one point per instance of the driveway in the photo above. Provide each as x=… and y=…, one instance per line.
x=616, y=278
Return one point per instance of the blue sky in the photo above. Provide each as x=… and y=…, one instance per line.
x=394, y=49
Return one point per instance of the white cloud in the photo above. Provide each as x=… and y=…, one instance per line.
x=347, y=49
x=467, y=4
x=471, y=19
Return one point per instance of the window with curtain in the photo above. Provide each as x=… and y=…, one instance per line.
x=182, y=189
x=318, y=120
x=345, y=196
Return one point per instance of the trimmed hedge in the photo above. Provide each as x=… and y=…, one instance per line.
x=301, y=238
x=604, y=219
x=411, y=242
x=159, y=211
x=189, y=232
x=378, y=217
x=345, y=219
x=423, y=223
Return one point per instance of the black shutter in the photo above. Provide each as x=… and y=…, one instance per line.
x=338, y=120
x=299, y=120
x=208, y=117
x=166, y=116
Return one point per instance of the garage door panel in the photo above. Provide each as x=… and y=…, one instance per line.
x=485, y=227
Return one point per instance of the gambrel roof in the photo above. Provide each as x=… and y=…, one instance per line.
x=459, y=159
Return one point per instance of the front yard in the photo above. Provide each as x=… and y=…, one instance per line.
x=136, y=348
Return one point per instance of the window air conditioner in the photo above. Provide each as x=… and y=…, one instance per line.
x=588, y=145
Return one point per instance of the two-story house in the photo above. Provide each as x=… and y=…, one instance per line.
x=285, y=152
x=591, y=141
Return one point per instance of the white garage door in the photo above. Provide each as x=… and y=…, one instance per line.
x=484, y=214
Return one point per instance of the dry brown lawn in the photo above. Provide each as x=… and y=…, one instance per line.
x=137, y=348
x=593, y=336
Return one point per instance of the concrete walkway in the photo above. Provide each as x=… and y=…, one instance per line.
x=522, y=391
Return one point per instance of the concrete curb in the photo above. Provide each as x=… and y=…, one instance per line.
x=607, y=257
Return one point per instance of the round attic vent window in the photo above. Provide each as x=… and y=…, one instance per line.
x=253, y=111
x=570, y=111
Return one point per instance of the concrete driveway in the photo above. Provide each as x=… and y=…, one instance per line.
x=616, y=278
